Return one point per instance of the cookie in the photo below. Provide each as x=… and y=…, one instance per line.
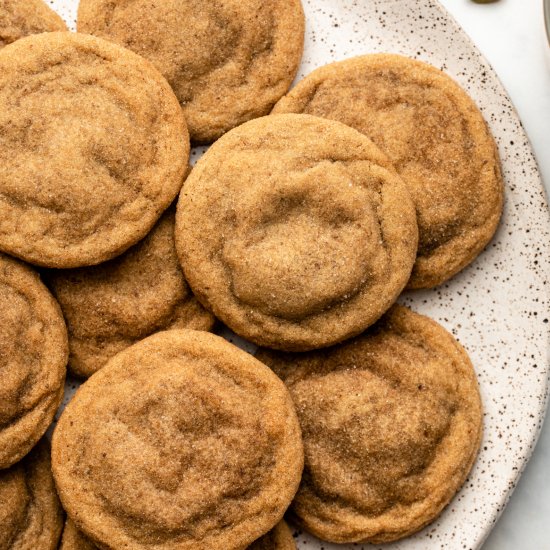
x=73, y=539
x=19, y=18
x=295, y=231
x=181, y=441
x=391, y=421
x=279, y=538
x=228, y=62
x=93, y=148
x=30, y=513
x=111, y=306
x=33, y=344
x=435, y=136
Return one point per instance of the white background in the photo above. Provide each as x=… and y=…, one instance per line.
x=510, y=33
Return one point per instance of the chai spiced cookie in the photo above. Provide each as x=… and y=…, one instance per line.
x=391, y=422
x=33, y=358
x=73, y=539
x=19, y=18
x=228, y=62
x=295, y=231
x=93, y=148
x=111, y=306
x=31, y=517
x=279, y=538
x=182, y=441
x=437, y=140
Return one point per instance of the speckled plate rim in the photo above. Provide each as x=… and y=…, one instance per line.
x=67, y=9
x=522, y=461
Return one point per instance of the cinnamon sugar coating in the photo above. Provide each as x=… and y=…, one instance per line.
x=33, y=358
x=93, y=148
x=111, y=306
x=20, y=18
x=437, y=140
x=182, y=441
x=295, y=231
x=279, y=538
x=31, y=517
x=392, y=423
x=228, y=61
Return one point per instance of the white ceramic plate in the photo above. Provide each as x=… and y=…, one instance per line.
x=499, y=306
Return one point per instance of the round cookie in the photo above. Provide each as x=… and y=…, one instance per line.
x=228, y=62
x=279, y=538
x=33, y=344
x=436, y=138
x=19, y=18
x=30, y=513
x=182, y=441
x=391, y=421
x=111, y=306
x=295, y=231
x=93, y=148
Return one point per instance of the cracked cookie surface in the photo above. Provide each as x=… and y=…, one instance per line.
x=227, y=61
x=93, y=148
x=437, y=140
x=182, y=441
x=391, y=422
x=279, y=538
x=111, y=306
x=19, y=18
x=33, y=358
x=30, y=512
x=295, y=231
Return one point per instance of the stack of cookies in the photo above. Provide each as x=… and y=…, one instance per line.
x=357, y=419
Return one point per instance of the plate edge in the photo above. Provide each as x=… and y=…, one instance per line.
x=543, y=409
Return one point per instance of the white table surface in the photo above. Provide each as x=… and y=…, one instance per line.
x=510, y=33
